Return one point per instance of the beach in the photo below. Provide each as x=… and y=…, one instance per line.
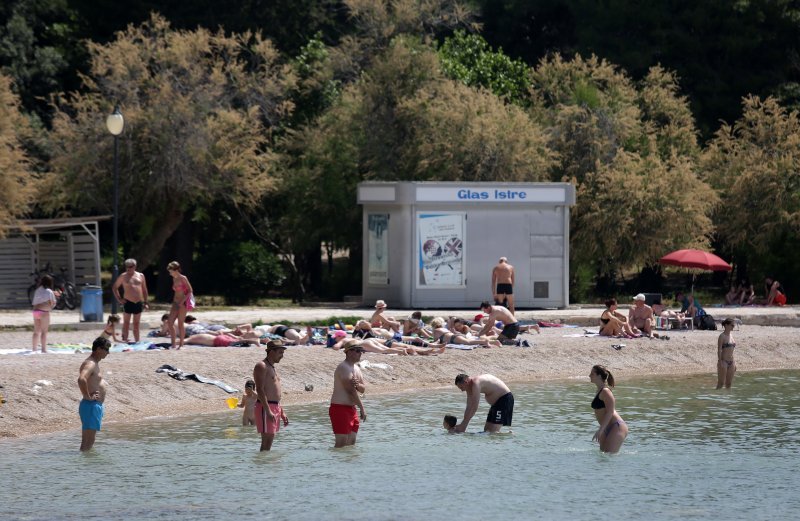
x=42, y=396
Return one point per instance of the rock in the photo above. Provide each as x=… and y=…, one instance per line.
x=309, y=387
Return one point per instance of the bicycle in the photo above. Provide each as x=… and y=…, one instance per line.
x=67, y=296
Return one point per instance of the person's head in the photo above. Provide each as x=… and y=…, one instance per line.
x=639, y=300
x=352, y=349
x=437, y=322
x=461, y=381
x=130, y=264
x=728, y=324
x=768, y=281
x=503, y=260
x=417, y=315
x=363, y=325
x=100, y=346
x=611, y=302
x=46, y=282
x=174, y=267
x=113, y=319
x=275, y=350
x=486, y=307
x=379, y=305
x=679, y=296
x=339, y=334
x=601, y=372
x=450, y=422
x=164, y=317
x=249, y=385
x=189, y=319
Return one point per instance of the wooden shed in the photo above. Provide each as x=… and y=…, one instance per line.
x=70, y=243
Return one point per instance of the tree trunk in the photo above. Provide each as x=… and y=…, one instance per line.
x=179, y=247
x=147, y=249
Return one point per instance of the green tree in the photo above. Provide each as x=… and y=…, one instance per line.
x=755, y=164
x=199, y=110
x=18, y=183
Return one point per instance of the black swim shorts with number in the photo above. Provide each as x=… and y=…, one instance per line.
x=502, y=410
x=510, y=331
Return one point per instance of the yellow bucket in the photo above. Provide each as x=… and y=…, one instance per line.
x=232, y=402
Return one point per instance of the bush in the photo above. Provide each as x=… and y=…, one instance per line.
x=239, y=271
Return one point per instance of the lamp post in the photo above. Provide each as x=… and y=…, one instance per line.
x=115, y=123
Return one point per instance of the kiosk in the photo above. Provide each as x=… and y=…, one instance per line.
x=434, y=244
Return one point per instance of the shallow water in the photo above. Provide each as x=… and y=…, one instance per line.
x=692, y=453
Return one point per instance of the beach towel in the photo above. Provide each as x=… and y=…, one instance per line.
x=180, y=375
x=463, y=347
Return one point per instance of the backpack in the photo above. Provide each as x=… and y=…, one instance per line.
x=705, y=322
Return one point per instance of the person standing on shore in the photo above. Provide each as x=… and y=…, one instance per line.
x=44, y=299
x=93, y=390
x=499, y=314
x=503, y=284
x=348, y=386
x=726, y=365
x=269, y=412
x=497, y=394
x=612, y=431
x=134, y=299
x=182, y=302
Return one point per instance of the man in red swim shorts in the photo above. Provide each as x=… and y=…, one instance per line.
x=348, y=382
x=268, y=410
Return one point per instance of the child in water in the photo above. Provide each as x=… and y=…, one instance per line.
x=110, y=332
x=248, y=403
x=449, y=423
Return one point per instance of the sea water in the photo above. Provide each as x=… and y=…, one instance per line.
x=693, y=452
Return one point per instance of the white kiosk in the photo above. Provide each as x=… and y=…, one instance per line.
x=434, y=244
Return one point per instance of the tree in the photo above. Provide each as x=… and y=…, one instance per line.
x=199, y=109
x=18, y=183
x=755, y=164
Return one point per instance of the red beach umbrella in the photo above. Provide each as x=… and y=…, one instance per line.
x=695, y=259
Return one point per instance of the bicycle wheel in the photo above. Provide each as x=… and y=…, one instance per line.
x=60, y=300
x=70, y=296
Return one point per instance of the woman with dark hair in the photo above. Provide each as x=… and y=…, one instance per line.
x=612, y=431
x=182, y=302
x=726, y=365
x=613, y=323
x=43, y=301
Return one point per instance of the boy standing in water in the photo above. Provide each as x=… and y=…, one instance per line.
x=248, y=403
x=93, y=390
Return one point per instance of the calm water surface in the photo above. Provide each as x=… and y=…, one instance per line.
x=692, y=453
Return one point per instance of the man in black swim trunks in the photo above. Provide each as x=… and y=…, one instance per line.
x=503, y=284
x=497, y=394
x=134, y=287
x=499, y=313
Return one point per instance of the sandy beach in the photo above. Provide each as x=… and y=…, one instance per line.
x=136, y=391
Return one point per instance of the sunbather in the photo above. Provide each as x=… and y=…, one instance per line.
x=613, y=323
x=443, y=335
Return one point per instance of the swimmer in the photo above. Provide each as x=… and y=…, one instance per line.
x=449, y=423
x=612, y=431
x=726, y=365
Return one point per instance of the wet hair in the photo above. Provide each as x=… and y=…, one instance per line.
x=250, y=383
x=417, y=315
x=728, y=321
x=174, y=265
x=611, y=302
x=437, y=322
x=461, y=378
x=164, y=317
x=113, y=319
x=189, y=318
x=100, y=343
x=46, y=282
x=485, y=305
x=605, y=374
x=450, y=420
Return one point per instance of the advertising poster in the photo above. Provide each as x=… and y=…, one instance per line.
x=378, y=248
x=441, y=249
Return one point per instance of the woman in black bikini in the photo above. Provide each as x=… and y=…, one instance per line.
x=444, y=336
x=613, y=323
x=612, y=431
x=726, y=366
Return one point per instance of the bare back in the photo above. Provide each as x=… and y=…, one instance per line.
x=502, y=314
x=491, y=387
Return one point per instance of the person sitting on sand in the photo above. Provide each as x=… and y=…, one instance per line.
x=613, y=323
x=248, y=403
x=641, y=318
x=690, y=305
x=442, y=335
x=748, y=294
x=776, y=296
x=110, y=331
x=379, y=319
x=414, y=326
x=676, y=318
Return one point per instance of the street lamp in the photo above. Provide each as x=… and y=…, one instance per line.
x=115, y=124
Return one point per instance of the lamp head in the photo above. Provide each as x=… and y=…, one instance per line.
x=115, y=122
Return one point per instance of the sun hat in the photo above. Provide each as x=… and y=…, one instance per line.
x=640, y=296
x=478, y=317
x=275, y=344
x=339, y=333
x=380, y=304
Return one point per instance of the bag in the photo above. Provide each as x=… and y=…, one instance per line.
x=190, y=304
x=705, y=322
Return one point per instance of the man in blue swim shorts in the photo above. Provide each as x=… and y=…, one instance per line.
x=93, y=390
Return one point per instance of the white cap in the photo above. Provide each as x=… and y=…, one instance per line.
x=640, y=296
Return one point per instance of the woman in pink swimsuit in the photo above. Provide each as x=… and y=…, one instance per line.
x=182, y=302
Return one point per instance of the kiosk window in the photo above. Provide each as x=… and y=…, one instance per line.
x=541, y=289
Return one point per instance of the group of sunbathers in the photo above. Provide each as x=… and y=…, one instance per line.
x=217, y=335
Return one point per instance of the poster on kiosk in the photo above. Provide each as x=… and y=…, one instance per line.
x=441, y=249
